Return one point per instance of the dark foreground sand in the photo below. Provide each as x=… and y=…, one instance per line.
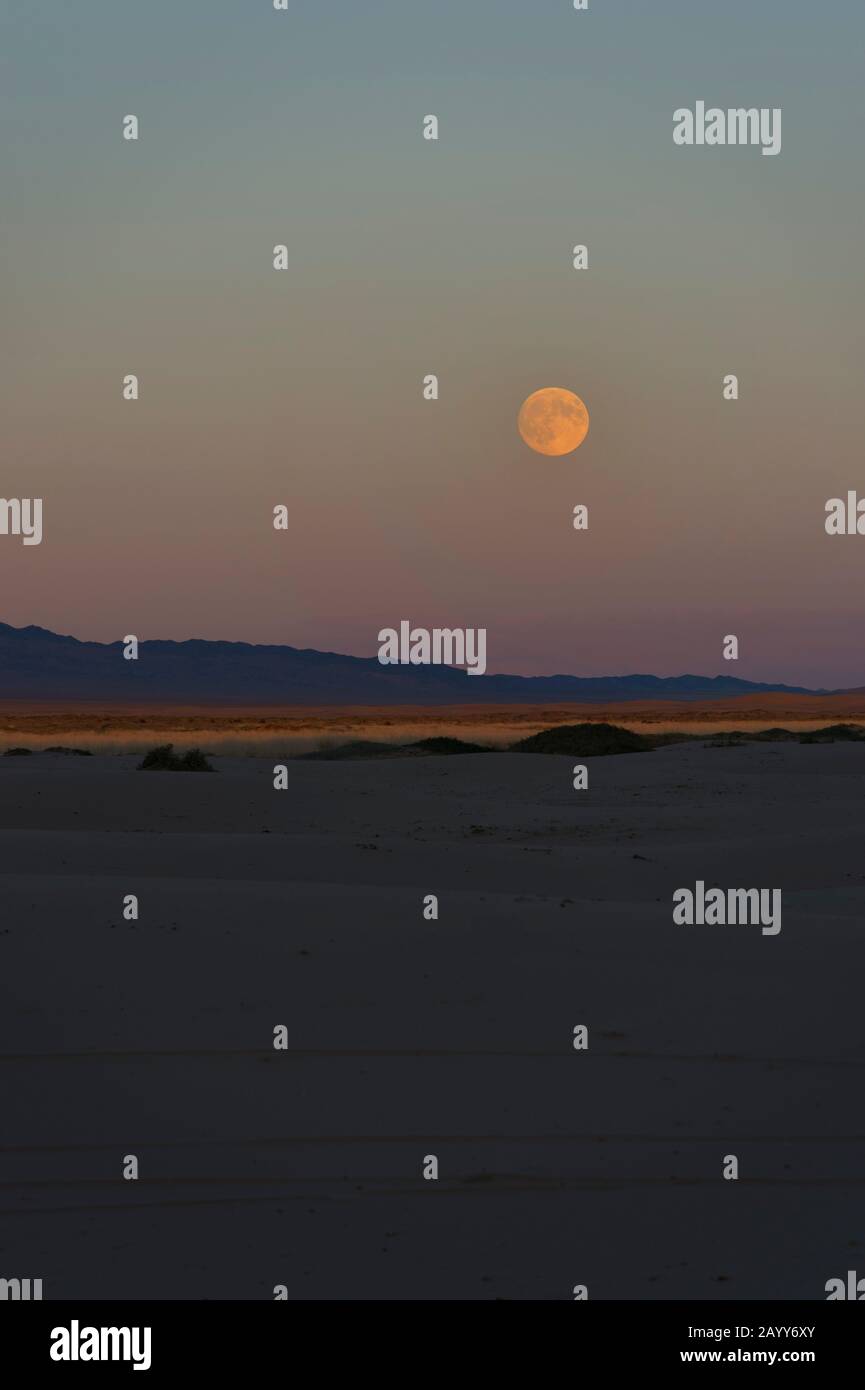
x=452, y=1038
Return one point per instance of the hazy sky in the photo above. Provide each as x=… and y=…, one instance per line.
x=303, y=387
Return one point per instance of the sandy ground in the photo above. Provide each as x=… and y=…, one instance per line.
x=453, y=1038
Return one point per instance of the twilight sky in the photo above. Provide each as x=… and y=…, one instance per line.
x=303, y=387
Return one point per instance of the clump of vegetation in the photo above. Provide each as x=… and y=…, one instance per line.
x=445, y=746
x=728, y=739
x=18, y=753
x=583, y=741
x=164, y=759
x=834, y=733
x=71, y=752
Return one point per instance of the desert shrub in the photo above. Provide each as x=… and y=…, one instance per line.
x=583, y=741
x=194, y=761
x=164, y=759
x=445, y=746
x=834, y=733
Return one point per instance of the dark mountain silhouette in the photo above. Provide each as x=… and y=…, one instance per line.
x=39, y=665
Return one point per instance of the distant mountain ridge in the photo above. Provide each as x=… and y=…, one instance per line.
x=40, y=665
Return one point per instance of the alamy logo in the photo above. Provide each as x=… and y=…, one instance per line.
x=76, y=1343
x=19, y=1290
x=845, y=518
x=22, y=516
x=440, y=646
x=736, y=126
x=733, y=906
x=854, y=1290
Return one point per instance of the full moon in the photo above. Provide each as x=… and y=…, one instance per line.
x=553, y=421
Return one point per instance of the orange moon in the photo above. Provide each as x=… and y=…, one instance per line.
x=553, y=421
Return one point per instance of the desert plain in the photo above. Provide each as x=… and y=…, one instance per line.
x=409, y=1038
